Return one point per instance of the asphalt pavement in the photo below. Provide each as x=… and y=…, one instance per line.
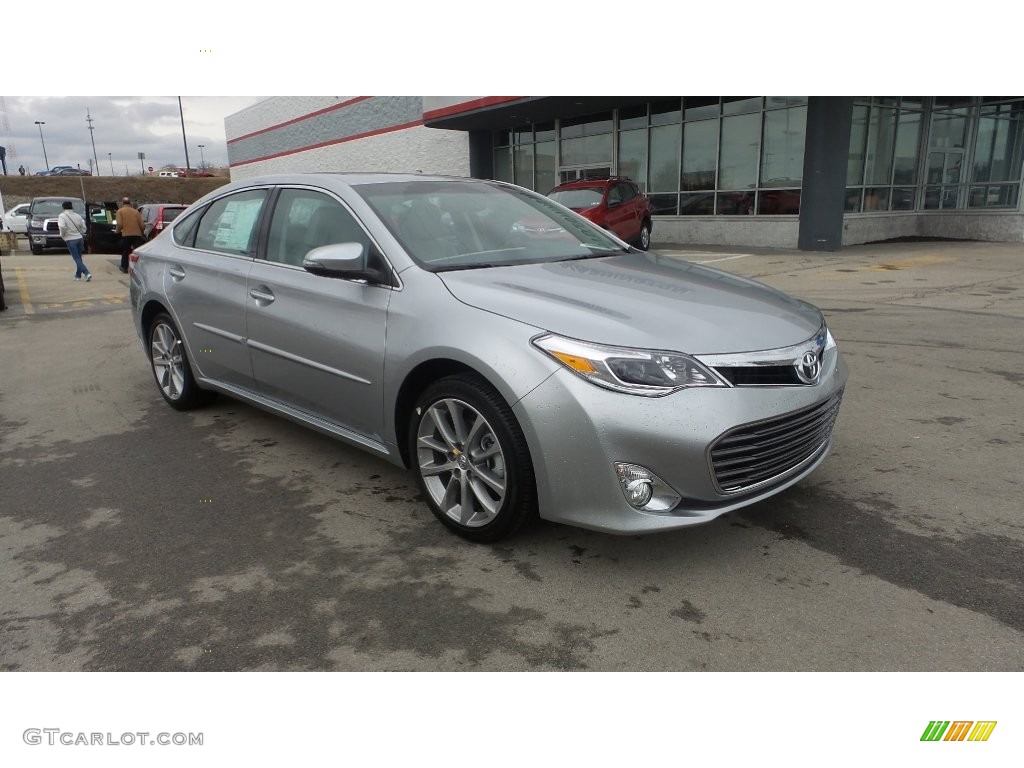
x=134, y=537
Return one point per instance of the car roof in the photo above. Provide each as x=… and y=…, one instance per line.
x=585, y=183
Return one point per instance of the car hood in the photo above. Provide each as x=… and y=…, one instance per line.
x=640, y=300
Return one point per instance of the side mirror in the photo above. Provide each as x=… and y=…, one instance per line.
x=347, y=261
x=614, y=203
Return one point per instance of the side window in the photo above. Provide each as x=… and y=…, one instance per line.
x=615, y=195
x=303, y=220
x=626, y=191
x=229, y=224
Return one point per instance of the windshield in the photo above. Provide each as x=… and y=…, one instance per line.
x=54, y=207
x=454, y=224
x=585, y=197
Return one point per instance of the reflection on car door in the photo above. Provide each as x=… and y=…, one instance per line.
x=317, y=343
x=206, y=285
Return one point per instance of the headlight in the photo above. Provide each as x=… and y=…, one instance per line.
x=650, y=373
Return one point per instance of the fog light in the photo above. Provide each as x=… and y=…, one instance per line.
x=644, y=490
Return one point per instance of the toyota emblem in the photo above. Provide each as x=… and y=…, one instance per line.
x=809, y=367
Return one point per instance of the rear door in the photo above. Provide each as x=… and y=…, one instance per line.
x=317, y=343
x=205, y=283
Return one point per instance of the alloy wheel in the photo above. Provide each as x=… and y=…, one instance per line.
x=168, y=361
x=461, y=462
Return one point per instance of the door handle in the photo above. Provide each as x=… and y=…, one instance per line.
x=262, y=295
x=177, y=273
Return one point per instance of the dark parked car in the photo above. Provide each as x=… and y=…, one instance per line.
x=43, y=231
x=156, y=216
x=616, y=204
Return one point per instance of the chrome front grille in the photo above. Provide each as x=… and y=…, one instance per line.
x=758, y=454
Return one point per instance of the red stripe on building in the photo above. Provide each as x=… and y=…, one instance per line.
x=299, y=119
x=469, y=106
x=332, y=142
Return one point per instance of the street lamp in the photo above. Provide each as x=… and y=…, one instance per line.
x=202, y=159
x=46, y=160
x=110, y=157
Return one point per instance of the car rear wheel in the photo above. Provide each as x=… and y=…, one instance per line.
x=471, y=459
x=171, y=367
x=644, y=240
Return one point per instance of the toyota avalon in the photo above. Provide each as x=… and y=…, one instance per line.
x=517, y=370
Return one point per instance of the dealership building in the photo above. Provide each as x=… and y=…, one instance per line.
x=786, y=171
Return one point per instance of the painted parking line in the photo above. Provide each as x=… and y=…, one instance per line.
x=109, y=300
x=26, y=300
x=724, y=258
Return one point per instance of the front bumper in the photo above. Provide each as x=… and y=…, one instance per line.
x=577, y=431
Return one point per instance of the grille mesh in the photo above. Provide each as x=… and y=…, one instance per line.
x=756, y=453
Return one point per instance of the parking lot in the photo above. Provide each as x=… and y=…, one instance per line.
x=134, y=537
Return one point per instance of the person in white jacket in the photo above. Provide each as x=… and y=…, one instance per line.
x=72, y=230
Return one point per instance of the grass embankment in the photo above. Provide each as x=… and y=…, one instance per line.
x=99, y=189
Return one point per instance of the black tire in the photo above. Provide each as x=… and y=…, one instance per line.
x=643, y=241
x=36, y=250
x=511, y=466
x=180, y=392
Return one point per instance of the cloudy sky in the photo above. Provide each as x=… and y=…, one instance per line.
x=415, y=48
x=123, y=127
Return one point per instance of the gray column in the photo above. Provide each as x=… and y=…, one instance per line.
x=481, y=154
x=827, y=146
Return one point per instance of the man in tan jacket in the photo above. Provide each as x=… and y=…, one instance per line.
x=130, y=227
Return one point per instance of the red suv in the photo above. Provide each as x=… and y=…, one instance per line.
x=616, y=204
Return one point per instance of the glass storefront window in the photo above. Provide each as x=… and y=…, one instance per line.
x=700, y=107
x=905, y=162
x=782, y=159
x=699, y=204
x=998, y=148
x=777, y=202
x=664, y=171
x=666, y=112
x=545, y=131
x=737, y=105
x=876, y=199
x=522, y=135
x=700, y=149
x=879, y=148
x=902, y=199
x=633, y=156
x=949, y=129
x=735, y=203
x=633, y=117
x=503, y=164
x=739, y=150
x=774, y=102
x=589, y=125
x=522, y=159
x=664, y=205
x=858, y=138
x=853, y=195
x=544, y=176
x=994, y=196
x=587, y=150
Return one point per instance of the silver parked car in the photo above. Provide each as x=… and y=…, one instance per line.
x=518, y=358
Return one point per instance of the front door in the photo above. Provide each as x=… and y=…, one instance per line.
x=317, y=343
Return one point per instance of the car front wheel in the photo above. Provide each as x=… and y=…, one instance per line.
x=644, y=240
x=471, y=459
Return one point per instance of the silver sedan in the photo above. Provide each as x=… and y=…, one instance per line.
x=517, y=358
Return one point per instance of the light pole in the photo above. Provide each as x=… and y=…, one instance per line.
x=110, y=157
x=184, y=140
x=202, y=158
x=46, y=160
